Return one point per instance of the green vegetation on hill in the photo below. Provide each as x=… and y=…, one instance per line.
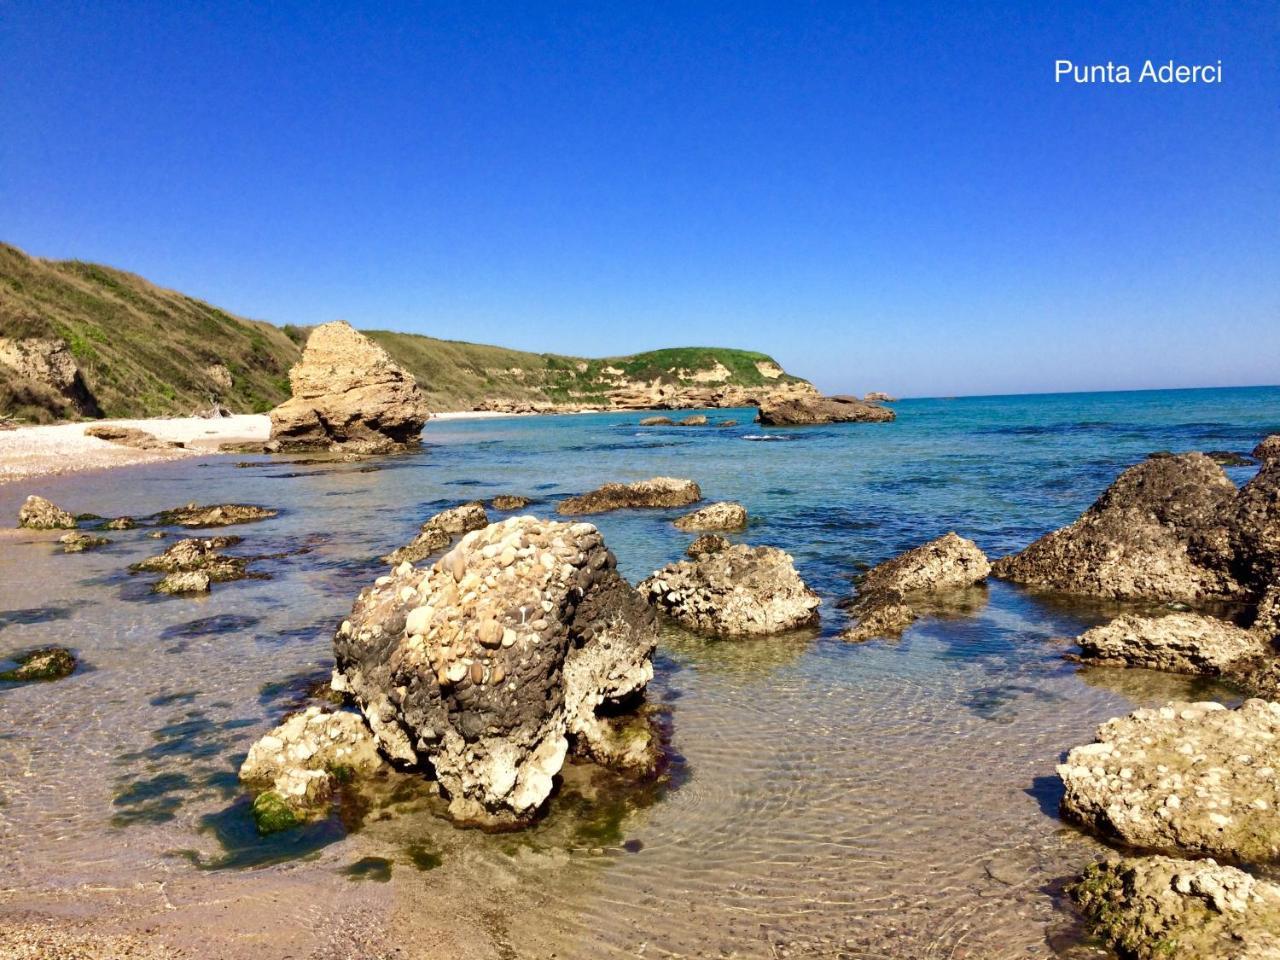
x=145, y=351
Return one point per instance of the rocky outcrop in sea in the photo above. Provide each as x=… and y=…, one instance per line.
x=813, y=410
x=723, y=515
x=882, y=607
x=733, y=591
x=519, y=644
x=37, y=513
x=657, y=492
x=1153, y=908
x=1193, y=778
x=348, y=395
x=439, y=531
x=215, y=515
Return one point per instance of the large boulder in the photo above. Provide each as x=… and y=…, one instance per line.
x=882, y=606
x=438, y=532
x=1254, y=524
x=37, y=513
x=348, y=395
x=1152, y=908
x=811, y=410
x=657, y=492
x=520, y=643
x=1188, y=777
x=715, y=516
x=734, y=591
x=296, y=766
x=1160, y=532
x=1176, y=643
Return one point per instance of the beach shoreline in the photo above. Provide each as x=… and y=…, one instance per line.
x=29, y=452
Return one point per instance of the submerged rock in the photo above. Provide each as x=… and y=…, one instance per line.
x=1228, y=458
x=1159, y=532
x=194, y=555
x=1151, y=908
x=507, y=502
x=657, y=492
x=657, y=422
x=812, y=410
x=882, y=608
x=520, y=642
x=218, y=515
x=120, y=523
x=716, y=516
x=348, y=395
x=438, y=532
x=37, y=513
x=693, y=420
x=707, y=543
x=185, y=581
x=1189, y=777
x=735, y=591
x=295, y=767
x=37, y=666
x=76, y=542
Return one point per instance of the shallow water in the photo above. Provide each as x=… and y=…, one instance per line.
x=894, y=799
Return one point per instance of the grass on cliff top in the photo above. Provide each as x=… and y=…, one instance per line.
x=144, y=351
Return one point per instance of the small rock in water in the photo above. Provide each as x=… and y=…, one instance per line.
x=438, y=531
x=657, y=492
x=507, y=502
x=187, y=581
x=219, y=515
x=76, y=542
x=716, y=516
x=37, y=513
x=47, y=663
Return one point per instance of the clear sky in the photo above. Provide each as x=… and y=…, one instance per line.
x=883, y=196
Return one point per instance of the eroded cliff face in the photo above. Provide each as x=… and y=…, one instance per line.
x=47, y=364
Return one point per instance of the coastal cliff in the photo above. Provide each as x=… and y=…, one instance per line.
x=99, y=341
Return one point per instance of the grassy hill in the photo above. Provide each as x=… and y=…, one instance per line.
x=145, y=351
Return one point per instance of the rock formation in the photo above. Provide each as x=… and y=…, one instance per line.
x=811, y=410
x=1153, y=908
x=1188, y=777
x=716, y=516
x=219, y=515
x=518, y=644
x=1161, y=531
x=707, y=543
x=509, y=502
x=1176, y=643
x=37, y=513
x=77, y=542
x=130, y=437
x=438, y=532
x=875, y=396
x=202, y=560
x=658, y=492
x=348, y=395
x=1253, y=524
x=693, y=420
x=882, y=605
x=38, y=666
x=296, y=766
x=1268, y=449
x=657, y=422
x=734, y=591
x=49, y=362
x=184, y=581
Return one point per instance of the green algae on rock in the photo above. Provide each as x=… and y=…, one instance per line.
x=47, y=663
x=76, y=542
x=217, y=515
x=272, y=813
x=37, y=513
x=1150, y=908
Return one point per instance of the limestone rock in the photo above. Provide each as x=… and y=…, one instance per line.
x=707, y=543
x=1159, y=532
x=1152, y=908
x=1254, y=523
x=1267, y=619
x=77, y=542
x=875, y=396
x=811, y=410
x=130, y=437
x=120, y=523
x=186, y=581
x=438, y=532
x=735, y=591
x=882, y=606
x=693, y=420
x=509, y=502
x=716, y=516
x=47, y=663
x=657, y=492
x=49, y=362
x=1268, y=449
x=194, y=555
x=219, y=515
x=1176, y=643
x=1191, y=777
x=488, y=666
x=300, y=760
x=37, y=513
x=348, y=394
x=657, y=422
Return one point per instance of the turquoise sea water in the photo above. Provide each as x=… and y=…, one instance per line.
x=894, y=799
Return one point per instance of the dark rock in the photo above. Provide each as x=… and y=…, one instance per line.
x=219, y=515
x=657, y=492
x=804, y=411
x=508, y=502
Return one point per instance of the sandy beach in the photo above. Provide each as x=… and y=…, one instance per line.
x=35, y=451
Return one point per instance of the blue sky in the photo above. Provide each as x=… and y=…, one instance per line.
x=883, y=196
